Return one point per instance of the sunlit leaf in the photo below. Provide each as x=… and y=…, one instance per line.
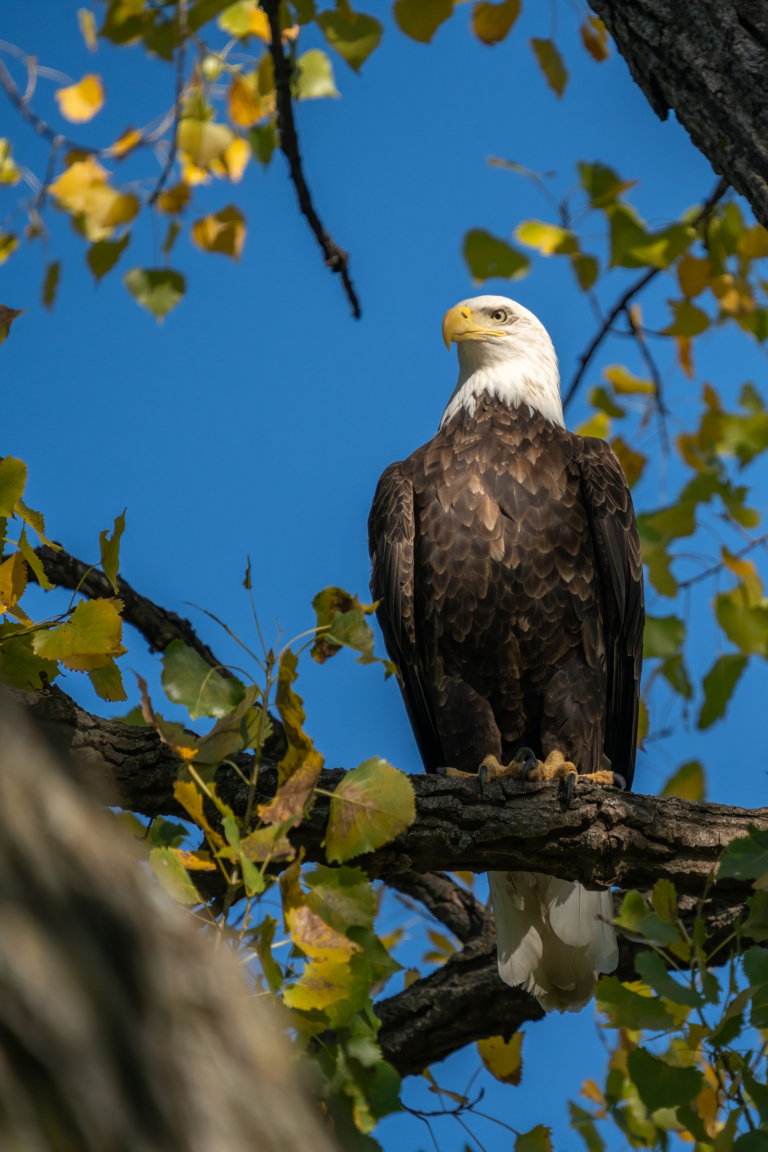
x=745, y=626
x=13, y=581
x=327, y=604
x=595, y=37
x=549, y=239
x=372, y=805
x=203, y=140
x=602, y=184
x=191, y=799
x=322, y=983
x=315, y=76
x=296, y=792
x=625, y=383
x=157, y=289
x=245, y=18
x=491, y=23
x=688, y=782
x=632, y=463
x=126, y=143
x=488, y=256
x=80, y=102
x=189, y=680
x=13, y=478
x=222, y=231
x=174, y=200
x=551, y=63
x=50, y=285
x=689, y=320
x=660, y=1084
x=9, y=242
x=10, y=173
x=84, y=190
x=503, y=1059
x=420, y=19
x=694, y=274
x=354, y=39
x=94, y=629
x=599, y=426
x=244, y=103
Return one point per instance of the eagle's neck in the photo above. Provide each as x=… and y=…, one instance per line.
x=521, y=373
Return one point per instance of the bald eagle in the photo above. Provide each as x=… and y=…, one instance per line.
x=506, y=563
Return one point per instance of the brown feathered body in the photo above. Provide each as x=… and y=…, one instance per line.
x=507, y=565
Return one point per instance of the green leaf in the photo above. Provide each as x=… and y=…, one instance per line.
x=756, y=1141
x=676, y=674
x=315, y=76
x=110, y=550
x=372, y=804
x=663, y=636
x=156, y=289
x=628, y=1009
x=755, y=964
x=50, y=285
x=342, y=897
x=263, y=142
x=164, y=834
x=758, y=1092
x=602, y=184
x=689, y=782
x=718, y=685
x=262, y=938
x=745, y=626
x=107, y=682
x=351, y=630
x=636, y=917
x=173, y=876
x=487, y=256
x=19, y=666
x=599, y=398
x=420, y=19
x=745, y=858
x=659, y=1084
x=354, y=39
x=236, y=731
x=134, y=718
x=551, y=63
x=548, y=239
x=34, y=561
x=104, y=254
x=382, y=965
x=93, y=629
x=756, y=924
x=539, y=1139
x=189, y=680
x=13, y=478
x=492, y=23
x=583, y=1122
x=652, y=969
x=327, y=604
x=585, y=268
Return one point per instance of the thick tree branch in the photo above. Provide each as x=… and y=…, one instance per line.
x=157, y=625
x=709, y=62
x=445, y=899
x=335, y=257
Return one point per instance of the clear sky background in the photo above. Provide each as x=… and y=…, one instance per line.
x=257, y=419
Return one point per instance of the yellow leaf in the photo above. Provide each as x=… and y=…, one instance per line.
x=110, y=549
x=9, y=242
x=747, y=573
x=9, y=173
x=244, y=102
x=503, y=1060
x=80, y=102
x=34, y=561
x=203, y=140
x=753, y=243
x=551, y=64
x=548, y=238
x=685, y=355
x=371, y=805
x=125, y=143
x=322, y=983
x=689, y=320
x=694, y=275
x=632, y=463
x=236, y=158
x=595, y=36
x=294, y=795
x=491, y=23
x=222, y=231
x=94, y=628
x=173, y=876
x=467, y=878
x=625, y=383
x=591, y=1091
x=411, y=976
x=268, y=844
x=598, y=426
x=734, y=295
x=174, y=200
x=84, y=191
x=420, y=19
x=13, y=581
x=310, y=933
x=198, y=861
x=35, y=520
x=13, y=478
x=191, y=799
x=87, y=22
x=689, y=782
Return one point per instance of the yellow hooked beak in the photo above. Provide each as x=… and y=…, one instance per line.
x=458, y=325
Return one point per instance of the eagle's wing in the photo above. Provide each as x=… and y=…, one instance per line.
x=617, y=544
x=391, y=536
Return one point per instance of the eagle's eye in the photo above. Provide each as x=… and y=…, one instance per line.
x=500, y=315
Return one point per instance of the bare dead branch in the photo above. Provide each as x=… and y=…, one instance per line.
x=335, y=257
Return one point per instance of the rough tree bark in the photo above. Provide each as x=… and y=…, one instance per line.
x=120, y=1027
x=708, y=61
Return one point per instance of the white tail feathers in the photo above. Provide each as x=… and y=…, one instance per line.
x=552, y=937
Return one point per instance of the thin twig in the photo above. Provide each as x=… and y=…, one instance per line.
x=631, y=292
x=713, y=571
x=181, y=57
x=335, y=257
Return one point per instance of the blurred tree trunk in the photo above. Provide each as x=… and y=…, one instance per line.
x=121, y=1029
x=708, y=61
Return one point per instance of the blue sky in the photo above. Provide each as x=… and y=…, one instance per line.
x=257, y=419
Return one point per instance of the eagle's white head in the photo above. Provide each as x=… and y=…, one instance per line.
x=504, y=351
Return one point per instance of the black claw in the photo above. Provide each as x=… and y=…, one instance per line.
x=570, y=784
x=482, y=776
x=619, y=782
x=527, y=758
